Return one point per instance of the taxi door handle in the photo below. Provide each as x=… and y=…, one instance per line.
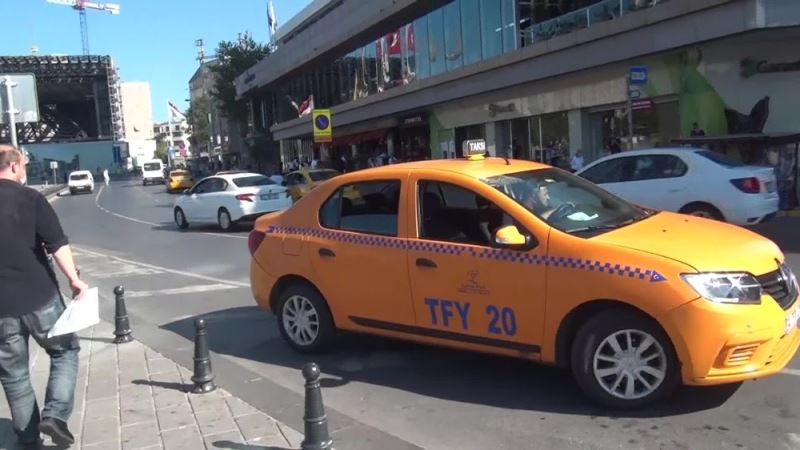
x=326, y=253
x=425, y=262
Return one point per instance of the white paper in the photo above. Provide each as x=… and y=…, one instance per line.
x=81, y=313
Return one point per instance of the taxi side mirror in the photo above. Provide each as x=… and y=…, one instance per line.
x=509, y=236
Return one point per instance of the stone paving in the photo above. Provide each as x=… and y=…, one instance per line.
x=130, y=397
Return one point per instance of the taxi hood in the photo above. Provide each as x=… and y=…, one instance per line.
x=704, y=244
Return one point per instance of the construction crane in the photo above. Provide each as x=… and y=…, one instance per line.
x=81, y=6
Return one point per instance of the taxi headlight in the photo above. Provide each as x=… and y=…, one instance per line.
x=741, y=288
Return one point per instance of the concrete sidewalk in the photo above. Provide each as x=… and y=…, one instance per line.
x=130, y=397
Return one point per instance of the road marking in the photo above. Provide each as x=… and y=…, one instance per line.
x=132, y=219
x=165, y=269
x=794, y=440
x=226, y=235
x=795, y=372
x=144, y=222
x=182, y=290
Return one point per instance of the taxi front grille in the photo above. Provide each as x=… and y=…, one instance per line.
x=775, y=284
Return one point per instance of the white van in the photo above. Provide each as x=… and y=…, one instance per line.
x=80, y=181
x=153, y=172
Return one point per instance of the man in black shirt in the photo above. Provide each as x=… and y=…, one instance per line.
x=30, y=304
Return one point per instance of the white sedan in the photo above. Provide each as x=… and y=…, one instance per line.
x=690, y=181
x=226, y=199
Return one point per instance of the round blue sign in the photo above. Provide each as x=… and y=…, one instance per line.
x=322, y=122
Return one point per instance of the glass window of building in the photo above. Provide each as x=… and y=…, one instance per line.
x=419, y=33
x=454, y=49
x=471, y=31
x=436, y=45
x=509, y=18
x=370, y=57
x=409, y=63
x=395, y=47
x=491, y=28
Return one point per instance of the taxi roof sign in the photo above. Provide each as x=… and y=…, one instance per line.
x=474, y=149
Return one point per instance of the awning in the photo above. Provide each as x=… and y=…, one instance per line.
x=372, y=135
x=751, y=138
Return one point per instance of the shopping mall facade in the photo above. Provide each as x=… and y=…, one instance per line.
x=415, y=78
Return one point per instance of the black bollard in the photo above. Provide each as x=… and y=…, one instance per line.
x=316, y=422
x=203, y=377
x=122, y=327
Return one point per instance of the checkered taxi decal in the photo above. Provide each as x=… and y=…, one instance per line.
x=608, y=268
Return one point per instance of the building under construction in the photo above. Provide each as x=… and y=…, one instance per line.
x=80, y=111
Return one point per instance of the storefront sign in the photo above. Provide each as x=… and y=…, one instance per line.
x=323, y=126
x=642, y=104
x=495, y=109
x=413, y=120
x=751, y=67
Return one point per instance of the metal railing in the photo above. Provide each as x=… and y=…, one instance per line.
x=584, y=18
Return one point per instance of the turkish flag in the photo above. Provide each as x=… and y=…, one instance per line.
x=411, y=43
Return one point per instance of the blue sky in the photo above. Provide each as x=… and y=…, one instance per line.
x=151, y=40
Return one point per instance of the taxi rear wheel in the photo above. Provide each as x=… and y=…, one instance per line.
x=304, y=319
x=624, y=360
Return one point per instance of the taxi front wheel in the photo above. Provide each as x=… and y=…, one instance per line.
x=304, y=319
x=624, y=360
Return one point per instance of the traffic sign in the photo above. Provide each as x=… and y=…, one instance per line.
x=638, y=75
x=323, y=125
x=54, y=164
x=635, y=94
x=25, y=98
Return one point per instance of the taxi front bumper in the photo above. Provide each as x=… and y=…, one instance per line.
x=175, y=185
x=719, y=344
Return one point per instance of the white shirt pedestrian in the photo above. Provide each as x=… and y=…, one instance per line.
x=576, y=162
x=106, y=178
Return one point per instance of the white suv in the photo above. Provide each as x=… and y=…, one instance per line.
x=80, y=181
x=690, y=181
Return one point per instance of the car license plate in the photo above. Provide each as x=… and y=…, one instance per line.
x=792, y=320
x=269, y=196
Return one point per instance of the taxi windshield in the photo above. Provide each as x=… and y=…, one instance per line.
x=567, y=202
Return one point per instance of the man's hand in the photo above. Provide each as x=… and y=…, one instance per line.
x=78, y=287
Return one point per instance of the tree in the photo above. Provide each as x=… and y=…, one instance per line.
x=161, y=150
x=234, y=58
x=197, y=118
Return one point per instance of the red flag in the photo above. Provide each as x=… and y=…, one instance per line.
x=395, y=47
x=411, y=43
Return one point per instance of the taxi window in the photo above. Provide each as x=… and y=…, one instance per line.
x=454, y=214
x=567, y=202
x=370, y=207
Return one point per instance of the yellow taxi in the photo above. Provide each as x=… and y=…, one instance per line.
x=179, y=180
x=522, y=259
x=301, y=182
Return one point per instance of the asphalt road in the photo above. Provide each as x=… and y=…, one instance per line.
x=383, y=394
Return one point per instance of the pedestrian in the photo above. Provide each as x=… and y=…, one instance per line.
x=30, y=304
x=576, y=163
x=696, y=130
x=106, y=178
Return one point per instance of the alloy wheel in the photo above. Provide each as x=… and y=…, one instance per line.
x=630, y=364
x=300, y=320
